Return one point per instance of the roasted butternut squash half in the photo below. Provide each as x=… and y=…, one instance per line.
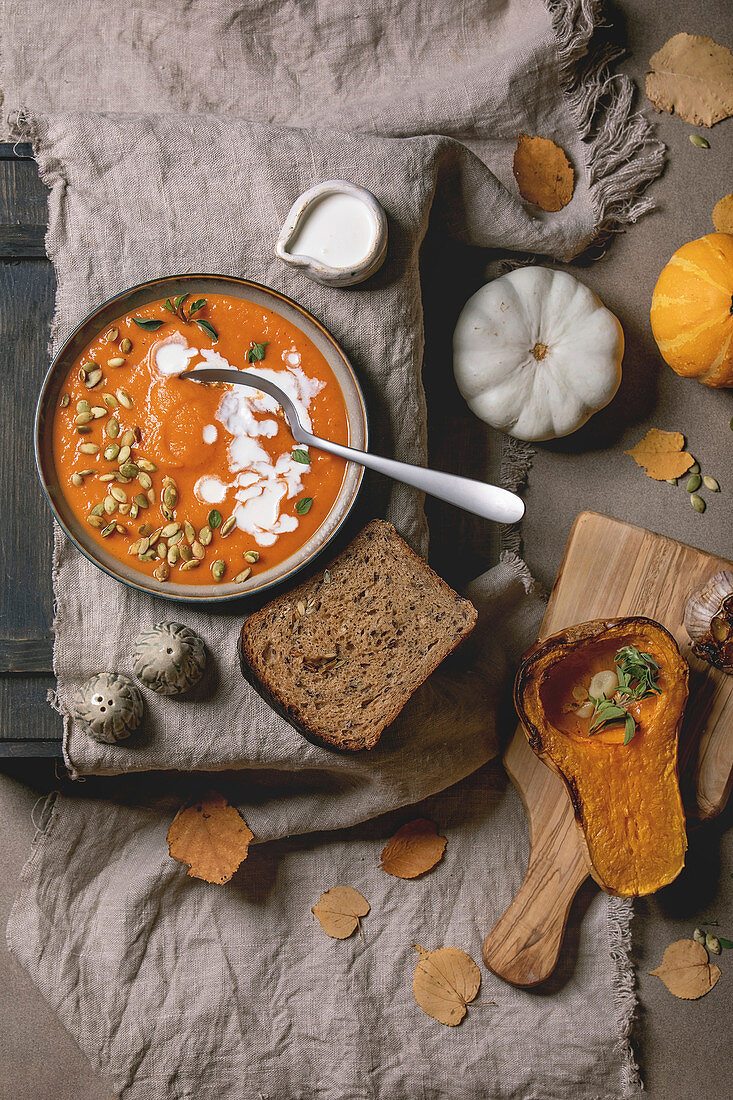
x=602, y=704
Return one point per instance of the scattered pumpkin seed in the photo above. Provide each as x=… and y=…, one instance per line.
x=162, y=572
x=145, y=480
x=697, y=502
x=218, y=569
x=190, y=533
x=98, y=411
x=119, y=494
x=106, y=477
x=108, y=529
x=252, y=556
x=699, y=936
x=83, y=406
x=144, y=546
x=124, y=508
x=110, y=400
x=93, y=379
x=83, y=418
x=124, y=454
x=161, y=550
x=134, y=509
x=693, y=483
x=699, y=141
x=124, y=399
x=97, y=510
x=172, y=555
x=89, y=448
x=112, y=428
x=149, y=555
x=64, y=402
x=95, y=521
x=116, y=361
x=120, y=529
x=83, y=429
x=144, y=529
x=170, y=497
x=85, y=473
x=713, y=943
x=170, y=529
x=695, y=468
x=112, y=335
x=192, y=563
x=205, y=535
x=126, y=344
x=110, y=505
x=150, y=494
x=185, y=551
x=175, y=539
x=111, y=451
x=228, y=526
x=141, y=500
x=129, y=469
x=241, y=577
x=711, y=484
x=147, y=465
x=197, y=550
x=127, y=438
x=671, y=480
x=77, y=479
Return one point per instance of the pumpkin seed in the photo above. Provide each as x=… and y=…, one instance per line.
x=175, y=539
x=143, y=546
x=218, y=569
x=83, y=429
x=89, y=366
x=93, y=379
x=112, y=428
x=64, y=402
x=127, y=438
x=170, y=497
x=124, y=399
x=145, y=480
x=83, y=406
x=161, y=549
x=241, y=577
x=149, y=556
x=85, y=473
x=83, y=418
x=106, y=531
x=98, y=412
x=170, y=529
x=106, y=477
x=172, y=555
x=699, y=141
x=144, y=529
x=129, y=469
x=228, y=526
x=155, y=535
x=695, y=468
x=150, y=494
x=116, y=361
x=197, y=550
x=134, y=547
x=699, y=936
x=121, y=478
x=205, y=535
x=120, y=529
x=110, y=400
x=192, y=563
x=163, y=572
x=252, y=556
x=111, y=451
x=89, y=448
x=119, y=494
x=126, y=344
x=77, y=479
x=134, y=509
x=671, y=480
x=124, y=508
x=713, y=943
x=124, y=454
x=110, y=504
x=190, y=533
x=95, y=521
x=147, y=465
x=97, y=510
x=693, y=483
x=697, y=502
x=141, y=500
x=112, y=335
x=185, y=551
x=711, y=484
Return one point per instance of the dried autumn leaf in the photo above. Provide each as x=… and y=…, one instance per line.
x=692, y=77
x=543, y=173
x=339, y=910
x=686, y=970
x=661, y=455
x=723, y=214
x=413, y=850
x=444, y=982
x=210, y=837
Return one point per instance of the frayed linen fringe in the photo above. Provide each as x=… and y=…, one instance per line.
x=620, y=912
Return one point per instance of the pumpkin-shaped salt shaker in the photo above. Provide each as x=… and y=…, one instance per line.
x=169, y=658
x=110, y=707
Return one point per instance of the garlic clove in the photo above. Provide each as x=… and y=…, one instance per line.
x=704, y=604
x=603, y=684
x=586, y=711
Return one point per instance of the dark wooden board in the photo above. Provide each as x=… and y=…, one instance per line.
x=28, y=725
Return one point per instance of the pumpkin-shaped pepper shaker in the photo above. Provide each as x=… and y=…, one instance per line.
x=110, y=707
x=169, y=658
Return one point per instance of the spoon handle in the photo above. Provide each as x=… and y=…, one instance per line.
x=478, y=497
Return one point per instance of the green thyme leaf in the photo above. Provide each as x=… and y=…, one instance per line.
x=256, y=352
x=208, y=329
x=178, y=302
x=149, y=325
x=214, y=519
x=169, y=306
x=197, y=305
x=304, y=505
x=302, y=456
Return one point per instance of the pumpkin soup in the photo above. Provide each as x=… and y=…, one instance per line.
x=180, y=479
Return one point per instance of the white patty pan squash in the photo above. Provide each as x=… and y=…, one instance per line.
x=536, y=353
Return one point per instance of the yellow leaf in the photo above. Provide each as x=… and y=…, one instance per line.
x=339, y=910
x=686, y=970
x=543, y=173
x=661, y=455
x=723, y=214
x=413, y=850
x=444, y=982
x=692, y=77
x=210, y=837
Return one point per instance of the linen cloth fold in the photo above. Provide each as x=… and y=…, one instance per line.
x=231, y=110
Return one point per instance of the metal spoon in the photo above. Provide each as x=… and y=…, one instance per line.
x=482, y=499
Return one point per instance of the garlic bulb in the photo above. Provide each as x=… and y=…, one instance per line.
x=709, y=621
x=604, y=684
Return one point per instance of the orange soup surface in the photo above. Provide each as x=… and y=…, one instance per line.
x=198, y=483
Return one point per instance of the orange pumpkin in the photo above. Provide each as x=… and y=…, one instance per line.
x=692, y=310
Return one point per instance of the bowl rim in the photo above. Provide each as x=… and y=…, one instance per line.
x=160, y=592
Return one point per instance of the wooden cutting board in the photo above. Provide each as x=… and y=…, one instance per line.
x=609, y=569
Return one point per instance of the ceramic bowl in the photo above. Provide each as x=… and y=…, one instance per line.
x=316, y=269
x=197, y=285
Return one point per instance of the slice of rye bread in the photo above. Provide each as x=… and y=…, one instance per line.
x=341, y=654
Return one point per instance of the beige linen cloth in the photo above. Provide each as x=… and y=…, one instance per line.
x=176, y=989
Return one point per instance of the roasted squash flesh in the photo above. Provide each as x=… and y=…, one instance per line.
x=625, y=796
